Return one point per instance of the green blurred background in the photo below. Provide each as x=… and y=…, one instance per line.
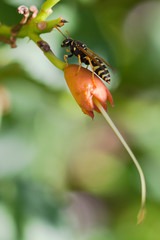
x=62, y=175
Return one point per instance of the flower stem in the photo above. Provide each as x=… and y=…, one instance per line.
x=5, y=30
x=51, y=24
x=141, y=214
x=54, y=60
x=49, y=54
x=46, y=10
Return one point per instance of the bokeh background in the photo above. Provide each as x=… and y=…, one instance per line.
x=64, y=176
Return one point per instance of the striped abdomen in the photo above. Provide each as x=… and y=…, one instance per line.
x=101, y=70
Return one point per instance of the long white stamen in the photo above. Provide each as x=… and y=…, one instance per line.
x=141, y=214
x=1, y=114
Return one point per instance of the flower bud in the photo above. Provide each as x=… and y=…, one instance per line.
x=84, y=88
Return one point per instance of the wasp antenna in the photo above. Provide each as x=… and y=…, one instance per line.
x=61, y=32
x=67, y=33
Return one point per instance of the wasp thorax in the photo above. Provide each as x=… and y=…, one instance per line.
x=66, y=42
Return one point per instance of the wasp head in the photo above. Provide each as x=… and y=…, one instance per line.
x=66, y=42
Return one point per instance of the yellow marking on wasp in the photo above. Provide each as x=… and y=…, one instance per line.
x=104, y=75
x=74, y=48
x=95, y=68
x=101, y=71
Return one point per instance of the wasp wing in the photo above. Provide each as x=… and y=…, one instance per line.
x=92, y=56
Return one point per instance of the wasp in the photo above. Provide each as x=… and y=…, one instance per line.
x=86, y=56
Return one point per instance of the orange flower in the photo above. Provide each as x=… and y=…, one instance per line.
x=91, y=94
x=84, y=88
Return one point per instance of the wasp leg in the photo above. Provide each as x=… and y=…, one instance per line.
x=67, y=56
x=87, y=67
x=67, y=50
x=90, y=63
x=80, y=63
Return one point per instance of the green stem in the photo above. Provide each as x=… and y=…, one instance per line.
x=49, y=54
x=28, y=31
x=5, y=30
x=46, y=10
x=33, y=29
x=51, y=24
x=55, y=61
x=142, y=178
